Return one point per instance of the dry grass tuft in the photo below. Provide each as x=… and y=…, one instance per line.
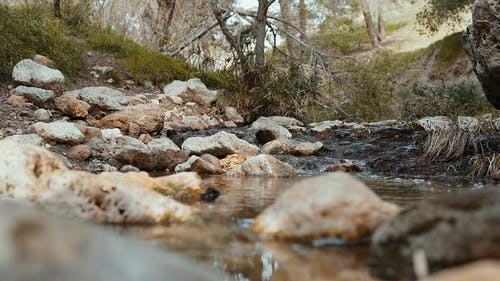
x=447, y=144
x=485, y=166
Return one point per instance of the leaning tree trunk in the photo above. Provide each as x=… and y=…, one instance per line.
x=370, y=28
x=57, y=9
x=285, y=15
x=381, y=35
x=303, y=19
x=260, y=32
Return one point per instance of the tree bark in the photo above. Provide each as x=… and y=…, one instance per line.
x=260, y=33
x=303, y=19
x=57, y=9
x=285, y=10
x=381, y=35
x=370, y=28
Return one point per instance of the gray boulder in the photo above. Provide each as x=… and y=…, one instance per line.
x=30, y=73
x=35, y=95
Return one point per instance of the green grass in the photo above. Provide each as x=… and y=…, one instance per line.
x=450, y=49
x=26, y=30
x=31, y=30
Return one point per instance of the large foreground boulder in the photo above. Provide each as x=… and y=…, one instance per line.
x=40, y=247
x=336, y=206
x=488, y=270
x=31, y=173
x=30, y=73
x=454, y=229
x=482, y=44
x=220, y=144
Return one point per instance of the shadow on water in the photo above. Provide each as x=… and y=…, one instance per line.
x=222, y=238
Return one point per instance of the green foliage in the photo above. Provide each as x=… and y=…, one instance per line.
x=341, y=33
x=31, y=30
x=369, y=87
x=448, y=99
x=272, y=91
x=450, y=48
x=437, y=13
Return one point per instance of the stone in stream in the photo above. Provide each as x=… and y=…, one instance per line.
x=36, y=96
x=32, y=173
x=136, y=120
x=37, y=246
x=59, y=131
x=70, y=105
x=206, y=164
x=30, y=73
x=486, y=270
x=220, y=144
x=294, y=147
x=482, y=44
x=262, y=165
x=456, y=228
x=336, y=205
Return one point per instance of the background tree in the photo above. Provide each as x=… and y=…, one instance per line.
x=437, y=13
x=57, y=9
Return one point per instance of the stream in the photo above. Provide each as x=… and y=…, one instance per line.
x=221, y=237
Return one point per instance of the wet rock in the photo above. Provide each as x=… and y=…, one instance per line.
x=41, y=247
x=267, y=133
x=454, y=229
x=233, y=115
x=211, y=195
x=16, y=100
x=37, y=96
x=335, y=205
x=32, y=173
x=487, y=270
x=263, y=165
x=163, y=143
x=33, y=139
x=206, y=164
x=59, y=131
x=136, y=120
x=80, y=152
x=481, y=42
x=233, y=160
x=288, y=146
x=42, y=115
x=181, y=186
x=70, y=105
x=220, y=144
x=103, y=98
x=348, y=167
x=30, y=73
x=191, y=90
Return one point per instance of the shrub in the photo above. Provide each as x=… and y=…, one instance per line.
x=444, y=98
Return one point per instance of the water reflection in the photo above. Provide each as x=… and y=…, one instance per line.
x=222, y=237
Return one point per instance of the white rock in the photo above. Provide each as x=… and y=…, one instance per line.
x=233, y=115
x=102, y=69
x=263, y=165
x=35, y=95
x=288, y=146
x=191, y=90
x=102, y=97
x=111, y=134
x=220, y=144
x=327, y=126
x=28, y=72
x=42, y=114
x=26, y=139
x=59, y=131
x=163, y=143
x=434, y=123
x=336, y=205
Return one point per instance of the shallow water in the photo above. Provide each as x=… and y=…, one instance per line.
x=221, y=237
